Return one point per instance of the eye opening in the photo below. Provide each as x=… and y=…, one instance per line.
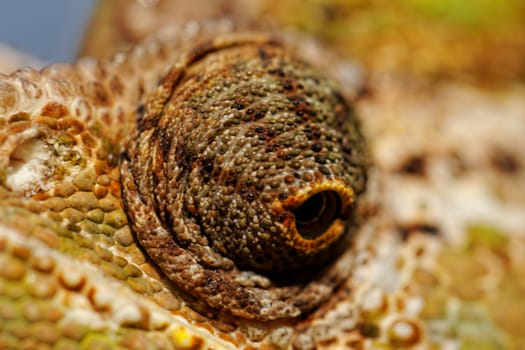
x=317, y=213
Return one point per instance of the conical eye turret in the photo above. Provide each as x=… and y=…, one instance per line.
x=246, y=159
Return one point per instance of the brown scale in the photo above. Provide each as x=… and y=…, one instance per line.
x=246, y=159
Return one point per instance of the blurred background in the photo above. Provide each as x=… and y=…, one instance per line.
x=49, y=31
x=479, y=40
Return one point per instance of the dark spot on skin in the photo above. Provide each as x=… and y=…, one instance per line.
x=407, y=230
x=164, y=142
x=287, y=85
x=183, y=157
x=124, y=156
x=295, y=100
x=144, y=123
x=238, y=105
x=320, y=159
x=243, y=299
x=299, y=303
x=415, y=166
x=140, y=110
x=263, y=54
x=364, y=92
x=323, y=169
x=354, y=344
x=369, y=330
x=231, y=179
x=289, y=179
x=208, y=167
x=250, y=196
x=331, y=12
x=505, y=162
x=259, y=114
x=317, y=146
x=73, y=227
x=295, y=164
x=212, y=284
x=277, y=71
x=347, y=148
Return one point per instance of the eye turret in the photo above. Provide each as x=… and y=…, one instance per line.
x=245, y=160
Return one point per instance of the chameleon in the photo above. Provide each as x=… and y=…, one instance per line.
x=220, y=188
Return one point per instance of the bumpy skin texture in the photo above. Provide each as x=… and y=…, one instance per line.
x=233, y=142
x=72, y=139
x=76, y=276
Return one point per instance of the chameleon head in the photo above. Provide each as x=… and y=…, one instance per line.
x=245, y=159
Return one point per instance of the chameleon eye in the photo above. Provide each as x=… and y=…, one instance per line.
x=315, y=216
x=225, y=184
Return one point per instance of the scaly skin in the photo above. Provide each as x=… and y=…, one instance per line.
x=75, y=276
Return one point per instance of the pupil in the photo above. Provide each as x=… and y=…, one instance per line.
x=317, y=214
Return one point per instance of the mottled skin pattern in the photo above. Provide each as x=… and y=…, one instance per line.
x=63, y=136
x=84, y=259
x=232, y=144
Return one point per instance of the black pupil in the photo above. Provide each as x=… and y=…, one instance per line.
x=317, y=214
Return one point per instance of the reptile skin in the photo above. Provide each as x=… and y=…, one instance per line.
x=79, y=271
